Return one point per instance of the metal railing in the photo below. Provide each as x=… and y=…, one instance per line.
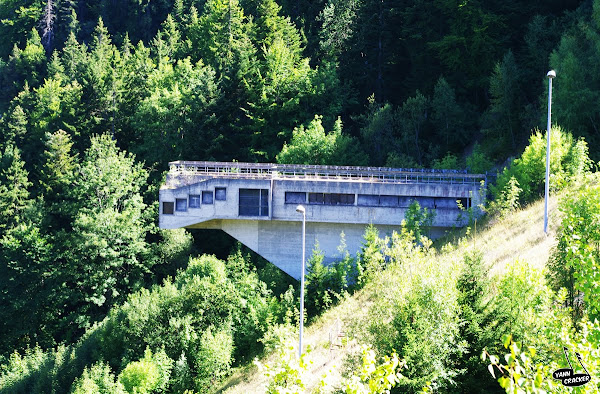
x=211, y=169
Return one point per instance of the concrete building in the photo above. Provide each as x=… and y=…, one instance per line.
x=256, y=203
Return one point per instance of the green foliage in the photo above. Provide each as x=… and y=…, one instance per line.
x=97, y=380
x=108, y=253
x=288, y=373
x=508, y=200
x=448, y=162
x=575, y=95
x=478, y=162
x=311, y=145
x=416, y=314
x=568, y=160
x=370, y=259
x=523, y=375
x=326, y=284
x=377, y=132
x=178, y=109
x=418, y=220
x=476, y=329
x=502, y=119
x=575, y=260
x=148, y=375
x=522, y=300
x=526, y=372
x=14, y=196
x=195, y=318
x=374, y=377
x=448, y=117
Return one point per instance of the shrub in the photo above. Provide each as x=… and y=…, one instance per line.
x=180, y=317
x=507, y=200
x=150, y=374
x=478, y=161
x=98, y=380
x=325, y=284
x=415, y=313
x=370, y=259
x=213, y=357
x=569, y=159
x=575, y=261
x=448, y=162
x=419, y=220
x=373, y=377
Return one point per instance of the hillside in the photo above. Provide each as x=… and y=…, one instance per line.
x=519, y=236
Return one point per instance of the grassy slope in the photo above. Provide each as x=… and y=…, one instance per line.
x=519, y=236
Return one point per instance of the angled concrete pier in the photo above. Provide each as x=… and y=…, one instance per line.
x=256, y=203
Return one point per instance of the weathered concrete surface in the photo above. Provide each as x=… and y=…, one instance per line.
x=277, y=236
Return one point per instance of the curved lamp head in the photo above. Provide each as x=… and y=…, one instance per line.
x=551, y=74
x=300, y=209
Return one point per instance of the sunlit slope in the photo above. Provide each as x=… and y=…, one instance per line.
x=519, y=236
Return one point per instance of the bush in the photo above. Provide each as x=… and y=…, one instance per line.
x=370, y=259
x=150, y=374
x=98, y=380
x=325, y=284
x=478, y=162
x=448, y=162
x=569, y=159
x=575, y=261
x=180, y=317
x=419, y=220
x=415, y=313
x=507, y=200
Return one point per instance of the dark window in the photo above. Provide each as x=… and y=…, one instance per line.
x=220, y=194
x=465, y=202
x=388, y=201
x=207, y=197
x=331, y=198
x=347, y=199
x=295, y=197
x=405, y=202
x=315, y=198
x=445, y=202
x=368, y=200
x=254, y=202
x=426, y=202
x=194, y=201
x=264, y=202
x=168, y=208
x=181, y=204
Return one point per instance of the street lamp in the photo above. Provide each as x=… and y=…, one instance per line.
x=551, y=75
x=302, y=210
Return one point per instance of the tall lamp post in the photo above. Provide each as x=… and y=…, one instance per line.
x=551, y=75
x=302, y=210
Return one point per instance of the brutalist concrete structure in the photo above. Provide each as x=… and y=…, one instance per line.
x=256, y=203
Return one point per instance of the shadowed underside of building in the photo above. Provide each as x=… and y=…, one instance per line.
x=256, y=203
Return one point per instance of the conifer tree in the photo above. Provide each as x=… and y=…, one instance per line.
x=14, y=185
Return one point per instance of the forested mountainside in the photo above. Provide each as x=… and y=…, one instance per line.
x=97, y=97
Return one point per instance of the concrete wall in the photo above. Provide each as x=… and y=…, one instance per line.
x=281, y=242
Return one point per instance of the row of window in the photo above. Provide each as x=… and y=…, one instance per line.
x=373, y=200
x=319, y=198
x=255, y=202
x=252, y=202
x=194, y=201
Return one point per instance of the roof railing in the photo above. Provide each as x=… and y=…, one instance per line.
x=301, y=171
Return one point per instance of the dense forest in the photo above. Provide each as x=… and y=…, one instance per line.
x=96, y=98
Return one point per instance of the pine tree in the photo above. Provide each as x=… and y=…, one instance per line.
x=14, y=184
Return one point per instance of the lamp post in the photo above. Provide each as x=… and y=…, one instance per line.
x=302, y=210
x=551, y=75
